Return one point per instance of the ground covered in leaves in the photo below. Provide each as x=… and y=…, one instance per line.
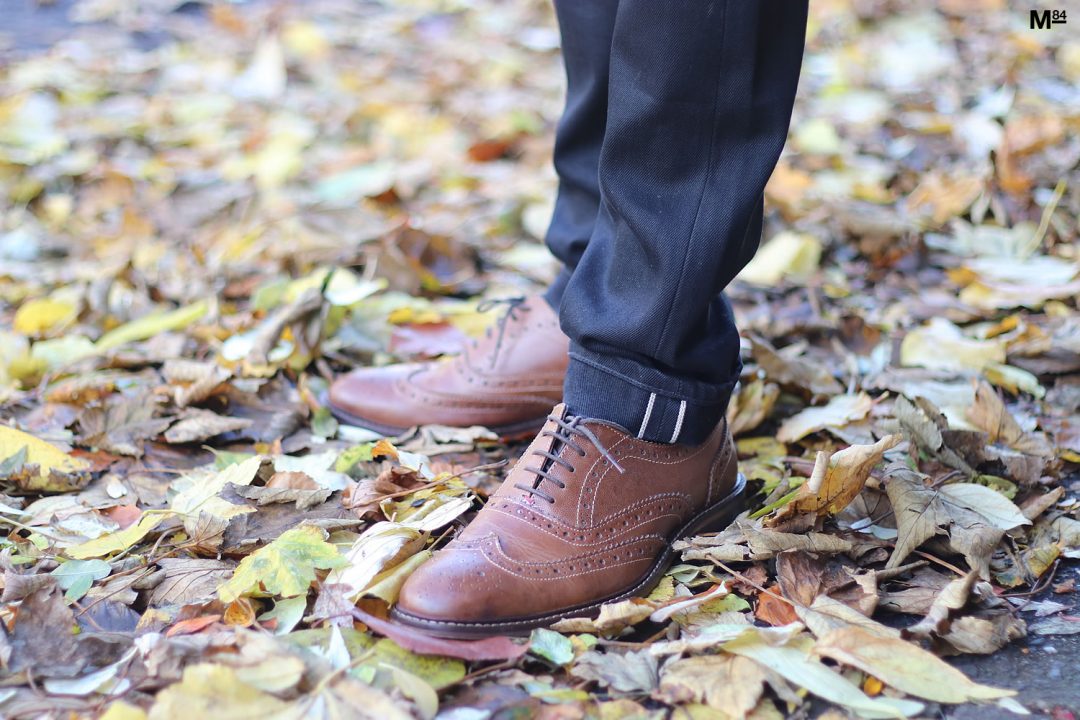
x=208, y=210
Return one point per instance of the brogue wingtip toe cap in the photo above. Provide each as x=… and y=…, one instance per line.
x=453, y=586
x=369, y=392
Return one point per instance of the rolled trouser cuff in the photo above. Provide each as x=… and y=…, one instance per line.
x=643, y=400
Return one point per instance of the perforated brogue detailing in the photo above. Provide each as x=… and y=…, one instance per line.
x=587, y=514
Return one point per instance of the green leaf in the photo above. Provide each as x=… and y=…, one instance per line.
x=151, y=325
x=439, y=672
x=288, y=612
x=76, y=576
x=285, y=567
x=552, y=646
x=352, y=456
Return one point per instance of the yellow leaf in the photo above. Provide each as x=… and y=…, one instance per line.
x=37, y=317
x=840, y=411
x=387, y=585
x=117, y=541
x=838, y=479
x=944, y=197
x=56, y=469
x=121, y=710
x=904, y=666
x=729, y=683
x=207, y=690
x=790, y=255
x=940, y=345
x=379, y=549
x=285, y=567
x=151, y=325
x=199, y=493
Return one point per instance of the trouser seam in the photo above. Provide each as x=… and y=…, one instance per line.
x=704, y=184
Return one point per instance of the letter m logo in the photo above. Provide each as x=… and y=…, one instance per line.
x=1040, y=20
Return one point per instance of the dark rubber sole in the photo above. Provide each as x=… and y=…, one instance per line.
x=511, y=432
x=713, y=519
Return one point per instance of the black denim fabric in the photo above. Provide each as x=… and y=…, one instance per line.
x=676, y=113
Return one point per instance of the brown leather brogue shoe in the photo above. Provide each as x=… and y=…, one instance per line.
x=507, y=380
x=587, y=516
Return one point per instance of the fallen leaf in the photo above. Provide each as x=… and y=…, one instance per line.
x=117, y=541
x=837, y=479
x=38, y=466
x=76, y=576
x=786, y=256
x=552, y=646
x=492, y=648
x=798, y=666
x=989, y=413
x=211, y=690
x=378, y=549
x=189, y=581
x=839, y=411
x=922, y=513
x=904, y=666
x=630, y=672
x=284, y=568
x=729, y=683
x=197, y=424
x=613, y=618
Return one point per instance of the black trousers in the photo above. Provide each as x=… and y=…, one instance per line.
x=676, y=113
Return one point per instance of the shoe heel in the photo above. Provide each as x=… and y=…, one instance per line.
x=721, y=514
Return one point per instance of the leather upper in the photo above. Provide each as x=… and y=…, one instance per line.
x=512, y=375
x=523, y=555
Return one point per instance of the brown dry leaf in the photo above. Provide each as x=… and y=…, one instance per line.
x=196, y=425
x=122, y=425
x=921, y=513
x=751, y=405
x=728, y=683
x=804, y=577
x=984, y=635
x=794, y=371
x=945, y=197
x=193, y=381
x=840, y=410
x=951, y=598
x=630, y=672
x=923, y=423
x=837, y=479
x=43, y=639
x=989, y=413
x=612, y=619
x=189, y=581
x=772, y=609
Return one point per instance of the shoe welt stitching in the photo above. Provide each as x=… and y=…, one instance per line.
x=540, y=620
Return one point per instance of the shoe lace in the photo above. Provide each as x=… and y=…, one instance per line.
x=513, y=305
x=564, y=434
